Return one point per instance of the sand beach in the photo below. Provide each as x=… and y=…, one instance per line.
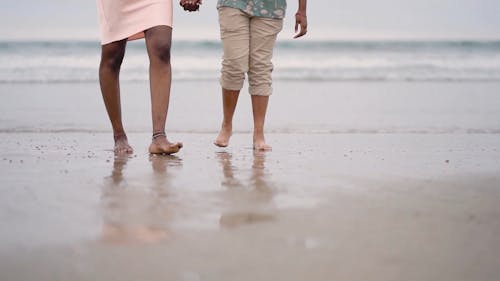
x=366, y=181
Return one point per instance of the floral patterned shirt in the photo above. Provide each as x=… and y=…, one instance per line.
x=274, y=9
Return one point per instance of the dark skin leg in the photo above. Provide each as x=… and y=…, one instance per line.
x=229, y=101
x=109, y=71
x=158, y=42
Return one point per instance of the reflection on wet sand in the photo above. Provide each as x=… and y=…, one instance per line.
x=249, y=203
x=134, y=212
x=229, y=180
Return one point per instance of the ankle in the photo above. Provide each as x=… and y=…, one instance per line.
x=120, y=136
x=159, y=135
x=227, y=126
x=258, y=132
x=259, y=138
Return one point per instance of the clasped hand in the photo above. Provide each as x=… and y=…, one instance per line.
x=190, y=5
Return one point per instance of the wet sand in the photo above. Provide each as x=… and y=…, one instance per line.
x=318, y=207
x=366, y=181
x=295, y=107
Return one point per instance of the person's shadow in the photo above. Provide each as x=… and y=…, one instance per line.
x=249, y=201
x=137, y=212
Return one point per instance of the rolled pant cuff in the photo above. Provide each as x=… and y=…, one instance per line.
x=261, y=90
x=228, y=85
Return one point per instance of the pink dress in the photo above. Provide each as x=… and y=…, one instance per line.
x=127, y=19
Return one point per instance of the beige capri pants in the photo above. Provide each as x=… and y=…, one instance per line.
x=248, y=44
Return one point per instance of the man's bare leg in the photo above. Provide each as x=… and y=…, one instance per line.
x=109, y=71
x=229, y=101
x=158, y=42
x=259, y=106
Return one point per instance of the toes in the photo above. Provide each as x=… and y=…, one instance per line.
x=262, y=147
x=220, y=144
x=173, y=146
x=170, y=149
x=123, y=150
x=221, y=141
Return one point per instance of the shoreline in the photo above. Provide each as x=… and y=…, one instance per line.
x=347, y=107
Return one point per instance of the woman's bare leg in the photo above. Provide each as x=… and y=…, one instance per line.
x=229, y=101
x=109, y=71
x=158, y=42
x=259, y=106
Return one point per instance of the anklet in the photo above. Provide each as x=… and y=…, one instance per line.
x=159, y=134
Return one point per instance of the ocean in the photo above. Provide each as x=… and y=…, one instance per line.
x=77, y=61
x=319, y=87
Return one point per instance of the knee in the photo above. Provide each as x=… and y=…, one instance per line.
x=112, y=62
x=233, y=73
x=161, y=52
x=260, y=80
x=261, y=65
x=234, y=68
x=260, y=74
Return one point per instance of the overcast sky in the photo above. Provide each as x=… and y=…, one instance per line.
x=336, y=19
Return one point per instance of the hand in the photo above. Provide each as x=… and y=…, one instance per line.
x=300, y=19
x=190, y=5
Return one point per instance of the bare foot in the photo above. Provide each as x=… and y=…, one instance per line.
x=262, y=147
x=122, y=146
x=225, y=133
x=161, y=145
x=259, y=143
